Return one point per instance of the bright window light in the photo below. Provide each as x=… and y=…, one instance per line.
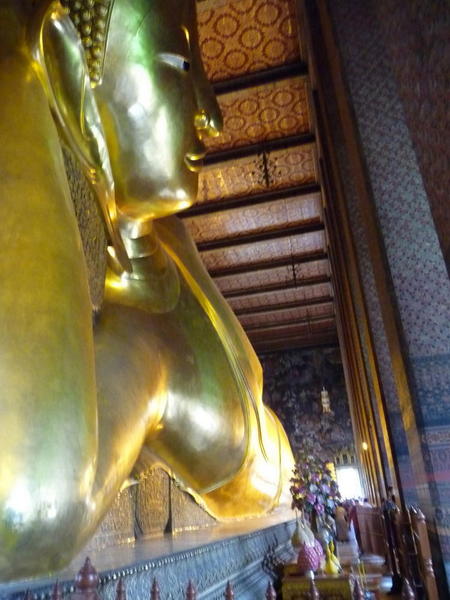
x=349, y=482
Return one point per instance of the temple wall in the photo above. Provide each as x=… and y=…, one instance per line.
x=390, y=99
x=91, y=226
x=292, y=383
x=415, y=34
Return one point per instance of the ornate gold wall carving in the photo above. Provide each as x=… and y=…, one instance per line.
x=186, y=513
x=118, y=525
x=90, y=224
x=152, y=502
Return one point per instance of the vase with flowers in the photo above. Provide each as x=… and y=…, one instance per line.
x=314, y=491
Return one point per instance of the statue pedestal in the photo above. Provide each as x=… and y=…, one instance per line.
x=246, y=553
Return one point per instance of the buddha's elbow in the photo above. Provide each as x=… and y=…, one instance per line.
x=43, y=513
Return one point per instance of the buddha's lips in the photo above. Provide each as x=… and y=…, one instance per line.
x=194, y=162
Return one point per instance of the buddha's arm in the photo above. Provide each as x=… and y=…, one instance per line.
x=48, y=396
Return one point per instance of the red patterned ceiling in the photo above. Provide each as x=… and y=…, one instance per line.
x=268, y=216
x=279, y=276
x=243, y=36
x=247, y=176
x=263, y=113
x=247, y=254
x=300, y=330
x=318, y=268
x=278, y=317
x=259, y=221
x=298, y=294
x=286, y=276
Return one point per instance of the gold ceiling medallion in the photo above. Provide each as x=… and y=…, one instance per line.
x=91, y=18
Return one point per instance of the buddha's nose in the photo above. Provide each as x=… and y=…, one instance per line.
x=208, y=124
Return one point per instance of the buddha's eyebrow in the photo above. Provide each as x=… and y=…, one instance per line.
x=178, y=61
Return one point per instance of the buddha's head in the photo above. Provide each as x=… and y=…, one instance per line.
x=155, y=103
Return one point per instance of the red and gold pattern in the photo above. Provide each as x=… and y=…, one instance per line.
x=317, y=268
x=281, y=296
x=301, y=330
x=241, y=36
x=245, y=176
x=237, y=38
x=288, y=315
x=263, y=113
x=247, y=254
x=268, y=216
x=240, y=177
x=273, y=277
x=256, y=279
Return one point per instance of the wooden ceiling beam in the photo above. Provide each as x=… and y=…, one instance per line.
x=291, y=322
x=273, y=263
x=278, y=287
x=282, y=143
x=206, y=208
x=294, y=333
x=260, y=236
x=289, y=333
x=263, y=77
x=270, y=308
x=279, y=344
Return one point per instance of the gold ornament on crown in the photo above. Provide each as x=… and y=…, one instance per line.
x=91, y=18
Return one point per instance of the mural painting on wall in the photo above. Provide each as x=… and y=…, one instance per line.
x=292, y=383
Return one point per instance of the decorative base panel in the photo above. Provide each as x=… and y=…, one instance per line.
x=247, y=554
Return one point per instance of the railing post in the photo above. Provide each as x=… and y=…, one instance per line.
x=86, y=583
x=229, y=593
x=191, y=593
x=270, y=592
x=392, y=551
x=419, y=528
x=120, y=590
x=56, y=592
x=154, y=593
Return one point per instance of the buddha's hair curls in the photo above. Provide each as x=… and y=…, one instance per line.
x=91, y=18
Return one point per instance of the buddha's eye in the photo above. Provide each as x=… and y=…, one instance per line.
x=175, y=60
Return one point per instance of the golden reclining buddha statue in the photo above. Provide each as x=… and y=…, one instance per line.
x=165, y=372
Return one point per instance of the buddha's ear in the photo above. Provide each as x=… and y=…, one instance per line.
x=60, y=62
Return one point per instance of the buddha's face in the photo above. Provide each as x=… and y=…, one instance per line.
x=156, y=106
